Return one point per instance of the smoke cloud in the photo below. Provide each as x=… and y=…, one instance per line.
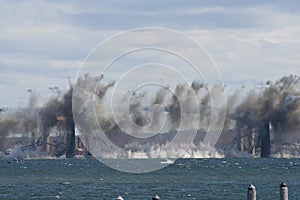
x=279, y=103
x=186, y=109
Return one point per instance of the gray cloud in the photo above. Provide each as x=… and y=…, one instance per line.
x=49, y=38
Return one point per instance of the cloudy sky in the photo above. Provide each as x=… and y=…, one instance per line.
x=44, y=42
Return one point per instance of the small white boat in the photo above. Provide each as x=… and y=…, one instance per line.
x=167, y=162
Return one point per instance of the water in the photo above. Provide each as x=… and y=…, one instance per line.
x=185, y=179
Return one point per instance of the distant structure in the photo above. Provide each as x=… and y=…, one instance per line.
x=246, y=138
x=265, y=140
x=250, y=139
x=55, y=141
x=70, y=124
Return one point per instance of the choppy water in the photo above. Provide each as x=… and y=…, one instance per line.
x=185, y=179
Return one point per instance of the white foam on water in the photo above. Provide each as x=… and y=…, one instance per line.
x=171, y=150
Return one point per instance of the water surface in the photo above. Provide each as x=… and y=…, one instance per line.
x=185, y=179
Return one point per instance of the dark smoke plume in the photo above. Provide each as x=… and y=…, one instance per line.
x=279, y=103
x=8, y=125
x=58, y=109
x=136, y=109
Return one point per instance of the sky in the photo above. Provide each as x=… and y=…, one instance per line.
x=44, y=42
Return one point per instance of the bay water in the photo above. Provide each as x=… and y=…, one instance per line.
x=185, y=179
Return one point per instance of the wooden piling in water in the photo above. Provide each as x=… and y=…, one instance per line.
x=156, y=197
x=119, y=198
x=251, y=194
x=284, y=191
